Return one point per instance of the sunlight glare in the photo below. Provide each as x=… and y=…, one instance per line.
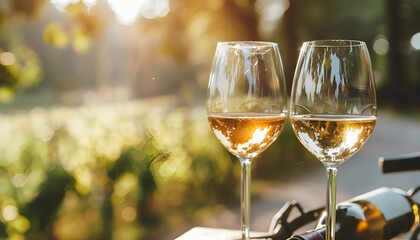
x=351, y=138
x=126, y=11
x=156, y=9
x=259, y=135
x=90, y=3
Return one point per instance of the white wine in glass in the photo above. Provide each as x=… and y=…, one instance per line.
x=333, y=138
x=246, y=105
x=333, y=106
x=246, y=134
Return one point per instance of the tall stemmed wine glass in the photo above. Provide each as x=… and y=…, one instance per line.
x=246, y=105
x=333, y=106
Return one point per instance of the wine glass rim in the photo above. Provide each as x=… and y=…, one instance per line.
x=335, y=43
x=243, y=43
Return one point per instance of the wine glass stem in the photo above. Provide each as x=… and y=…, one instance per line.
x=331, y=201
x=245, y=196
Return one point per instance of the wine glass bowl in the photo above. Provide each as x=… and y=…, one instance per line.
x=333, y=106
x=337, y=77
x=246, y=105
x=247, y=77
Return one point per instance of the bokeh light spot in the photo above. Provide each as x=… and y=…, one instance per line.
x=55, y=35
x=7, y=58
x=156, y=9
x=128, y=214
x=19, y=180
x=415, y=41
x=62, y=4
x=381, y=45
x=81, y=41
x=126, y=11
x=9, y=213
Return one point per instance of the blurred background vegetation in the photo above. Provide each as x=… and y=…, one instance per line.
x=102, y=105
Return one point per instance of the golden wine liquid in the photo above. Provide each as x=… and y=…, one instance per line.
x=333, y=138
x=246, y=134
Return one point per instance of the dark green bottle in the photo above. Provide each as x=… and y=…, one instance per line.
x=377, y=215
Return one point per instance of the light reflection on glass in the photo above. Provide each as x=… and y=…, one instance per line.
x=258, y=137
x=350, y=143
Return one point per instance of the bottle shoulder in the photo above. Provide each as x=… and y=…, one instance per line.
x=348, y=213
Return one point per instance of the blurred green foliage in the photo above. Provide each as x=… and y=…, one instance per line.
x=121, y=171
x=20, y=66
x=20, y=69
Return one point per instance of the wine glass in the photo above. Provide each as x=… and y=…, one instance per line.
x=333, y=106
x=246, y=105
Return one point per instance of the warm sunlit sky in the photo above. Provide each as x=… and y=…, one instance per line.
x=126, y=11
x=179, y=39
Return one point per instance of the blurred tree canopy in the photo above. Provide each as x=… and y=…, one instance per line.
x=183, y=41
x=20, y=66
